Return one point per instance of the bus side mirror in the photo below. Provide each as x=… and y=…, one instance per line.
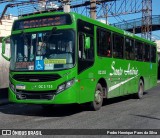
x=87, y=42
x=6, y=44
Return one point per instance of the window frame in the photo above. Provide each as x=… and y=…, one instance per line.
x=145, y=45
x=133, y=48
x=136, y=51
x=99, y=47
x=113, y=44
x=155, y=55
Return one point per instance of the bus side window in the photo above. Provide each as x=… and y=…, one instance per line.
x=90, y=51
x=153, y=54
x=139, y=51
x=81, y=46
x=104, y=43
x=146, y=53
x=129, y=49
x=85, y=45
x=85, y=53
x=118, y=43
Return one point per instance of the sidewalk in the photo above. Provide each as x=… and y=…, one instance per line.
x=4, y=96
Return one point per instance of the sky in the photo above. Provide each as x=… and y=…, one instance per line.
x=111, y=20
x=156, y=7
x=155, y=10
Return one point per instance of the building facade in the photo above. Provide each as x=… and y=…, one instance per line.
x=158, y=48
x=6, y=25
x=5, y=30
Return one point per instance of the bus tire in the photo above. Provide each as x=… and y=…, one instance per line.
x=98, y=98
x=140, y=89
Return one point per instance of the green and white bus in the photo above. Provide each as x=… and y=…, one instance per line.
x=64, y=58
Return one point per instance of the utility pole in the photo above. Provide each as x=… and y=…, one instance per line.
x=107, y=14
x=93, y=9
x=146, y=19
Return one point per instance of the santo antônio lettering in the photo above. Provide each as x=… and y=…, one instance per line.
x=119, y=71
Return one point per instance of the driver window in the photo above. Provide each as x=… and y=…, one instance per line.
x=85, y=53
x=81, y=46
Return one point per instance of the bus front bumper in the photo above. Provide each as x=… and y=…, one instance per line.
x=67, y=96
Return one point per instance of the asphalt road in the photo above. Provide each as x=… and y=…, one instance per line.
x=118, y=113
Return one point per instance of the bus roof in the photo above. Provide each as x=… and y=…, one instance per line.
x=87, y=19
x=112, y=28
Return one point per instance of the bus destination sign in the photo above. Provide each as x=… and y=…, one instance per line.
x=42, y=22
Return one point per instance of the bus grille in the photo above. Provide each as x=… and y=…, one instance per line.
x=36, y=77
x=36, y=95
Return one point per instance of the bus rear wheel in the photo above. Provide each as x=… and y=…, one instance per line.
x=98, y=98
x=140, y=89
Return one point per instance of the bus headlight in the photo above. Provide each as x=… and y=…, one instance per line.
x=61, y=88
x=65, y=85
x=12, y=86
x=69, y=83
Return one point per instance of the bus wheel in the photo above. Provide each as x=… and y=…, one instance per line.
x=98, y=98
x=140, y=89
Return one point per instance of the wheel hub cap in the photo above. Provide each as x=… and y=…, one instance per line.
x=98, y=96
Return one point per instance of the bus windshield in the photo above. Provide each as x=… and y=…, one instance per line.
x=49, y=50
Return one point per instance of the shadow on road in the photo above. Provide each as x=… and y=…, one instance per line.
x=3, y=93
x=120, y=99
x=37, y=110
x=58, y=110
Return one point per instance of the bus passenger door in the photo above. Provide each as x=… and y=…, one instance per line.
x=85, y=70
x=86, y=61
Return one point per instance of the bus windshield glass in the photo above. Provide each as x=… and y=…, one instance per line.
x=51, y=50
